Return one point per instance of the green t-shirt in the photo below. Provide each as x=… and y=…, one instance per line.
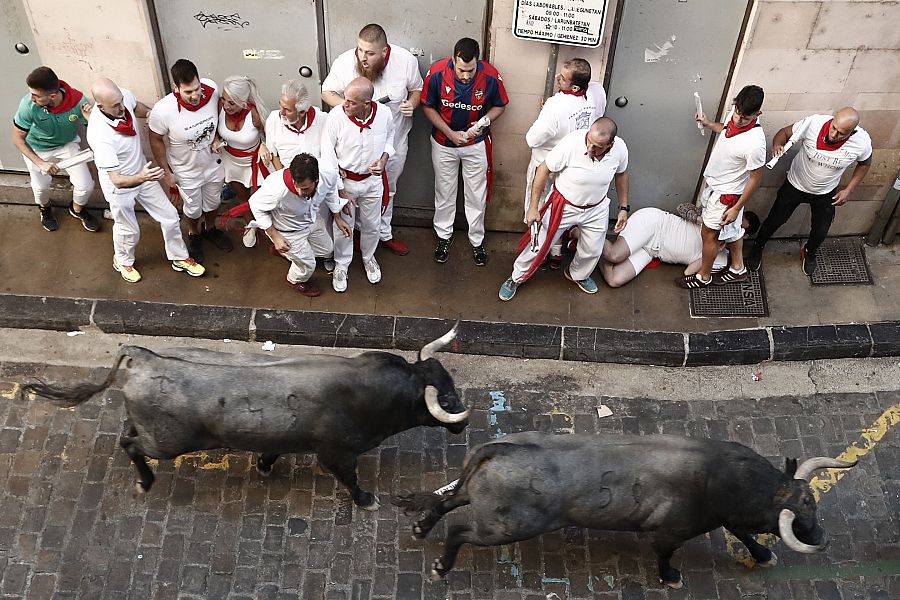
x=45, y=129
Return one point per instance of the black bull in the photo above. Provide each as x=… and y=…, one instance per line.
x=672, y=487
x=181, y=401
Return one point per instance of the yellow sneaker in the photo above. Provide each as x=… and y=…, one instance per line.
x=129, y=273
x=189, y=266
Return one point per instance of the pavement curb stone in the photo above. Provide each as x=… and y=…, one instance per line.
x=517, y=340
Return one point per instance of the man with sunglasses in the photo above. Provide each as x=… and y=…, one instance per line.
x=828, y=146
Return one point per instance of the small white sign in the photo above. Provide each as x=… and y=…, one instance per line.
x=572, y=22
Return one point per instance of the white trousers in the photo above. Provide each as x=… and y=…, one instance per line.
x=367, y=194
x=204, y=198
x=446, y=162
x=306, y=245
x=127, y=232
x=591, y=222
x=79, y=175
x=394, y=170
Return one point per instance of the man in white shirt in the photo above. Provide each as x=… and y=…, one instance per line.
x=733, y=173
x=653, y=234
x=578, y=103
x=182, y=129
x=286, y=207
x=296, y=127
x=585, y=162
x=357, y=142
x=125, y=178
x=394, y=72
x=828, y=145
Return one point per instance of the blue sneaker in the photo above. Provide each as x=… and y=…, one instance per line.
x=508, y=290
x=587, y=285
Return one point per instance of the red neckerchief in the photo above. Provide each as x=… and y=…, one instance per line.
x=289, y=182
x=310, y=116
x=582, y=93
x=732, y=130
x=597, y=158
x=205, y=96
x=125, y=125
x=239, y=116
x=367, y=124
x=71, y=97
x=822, y=142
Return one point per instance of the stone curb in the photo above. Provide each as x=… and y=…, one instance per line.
x=518, y=340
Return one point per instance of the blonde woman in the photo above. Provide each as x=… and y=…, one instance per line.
x=240, y=136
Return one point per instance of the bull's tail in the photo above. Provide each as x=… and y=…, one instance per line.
x=75, y=395
x=423, y=502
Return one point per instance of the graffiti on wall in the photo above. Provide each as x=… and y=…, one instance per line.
x=223, y=22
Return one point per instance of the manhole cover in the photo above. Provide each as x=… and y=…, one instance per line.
x=747, y=299
x=842, y=261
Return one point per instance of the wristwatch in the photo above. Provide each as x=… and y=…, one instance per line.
x=626, y=208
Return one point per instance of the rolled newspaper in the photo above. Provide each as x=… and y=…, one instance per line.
x=795, y=137
x=76, y=159
x=535, y=230
x=699, y=106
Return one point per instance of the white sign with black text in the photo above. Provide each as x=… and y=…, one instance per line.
x=573, y=22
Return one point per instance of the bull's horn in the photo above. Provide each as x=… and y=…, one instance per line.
x=434, y=407
x=821, y=462
x=786, y=530
x=430, y=348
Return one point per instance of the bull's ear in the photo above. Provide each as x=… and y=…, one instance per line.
x=790, y=466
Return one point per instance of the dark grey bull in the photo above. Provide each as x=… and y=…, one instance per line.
x=181, y=401
x=672, y=487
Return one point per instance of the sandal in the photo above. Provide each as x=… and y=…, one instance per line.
x=729, y=276
x=692, y=282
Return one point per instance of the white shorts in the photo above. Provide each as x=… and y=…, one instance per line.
x=203, y=199
x=714, y=212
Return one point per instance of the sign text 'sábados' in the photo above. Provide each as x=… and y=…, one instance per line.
x=573, y=22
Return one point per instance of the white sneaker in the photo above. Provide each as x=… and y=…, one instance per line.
x=328, y=263
x=249, y=237
x=107, y=214
x=339, y=279
x=373, y=271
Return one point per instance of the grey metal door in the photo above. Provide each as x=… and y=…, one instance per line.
x=269, y=41
x=667, y=50
x=429, y=30
x=18, y=57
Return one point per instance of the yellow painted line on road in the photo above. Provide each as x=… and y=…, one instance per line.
x=202, y=460
x=826, y=480
x=13, y=393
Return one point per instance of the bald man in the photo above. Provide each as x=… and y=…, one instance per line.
x=586, y=162
x=357, y=142
x=828, y=146
x=126, y=177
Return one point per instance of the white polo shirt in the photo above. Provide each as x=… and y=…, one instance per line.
x=580, y=180
x=400, y=77
x=817, y=170
x=274, y=203
x=189, y=136
x=347, y=147
x=306, y=136
x=732, y=159
x=562, y=114
x=114, y=151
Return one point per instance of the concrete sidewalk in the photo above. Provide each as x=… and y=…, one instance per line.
x=65, y=280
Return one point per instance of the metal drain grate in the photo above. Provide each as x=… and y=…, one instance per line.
x=842, y=261
x=747, y=299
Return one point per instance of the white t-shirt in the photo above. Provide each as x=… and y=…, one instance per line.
x=579, y=179
x=345, y=146
x=114, y=151
x=732, y=159
x=562, y=114
x=400, y=77
x=818, y=171
x=274, y=203
x=667, y=237
x=189, y=135
x=287, y=143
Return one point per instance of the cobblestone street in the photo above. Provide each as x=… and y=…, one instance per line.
x=211, y=527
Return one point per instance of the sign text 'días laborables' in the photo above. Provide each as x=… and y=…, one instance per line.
x=574, y=22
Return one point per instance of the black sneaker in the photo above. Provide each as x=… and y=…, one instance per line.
x=88, y=221
x=480, y=255
x=442, y=252
x=753, y=261
x=809, y=263
x=48, y=221
x=219, y=239
x=195, y=247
